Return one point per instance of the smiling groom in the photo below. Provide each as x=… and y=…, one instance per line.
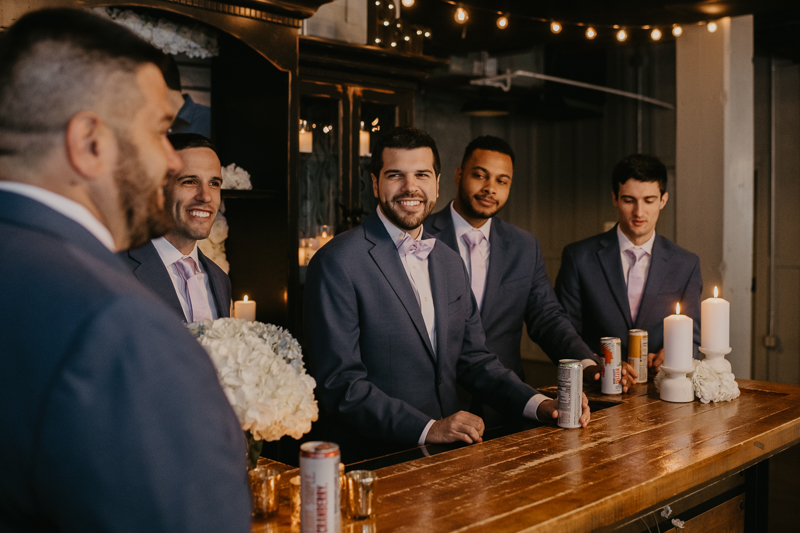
x=173, y=266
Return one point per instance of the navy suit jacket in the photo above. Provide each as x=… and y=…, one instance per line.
x=147, y=266
x=377, y=373
x=518, y=292
x=112, y=416
x=591, y=287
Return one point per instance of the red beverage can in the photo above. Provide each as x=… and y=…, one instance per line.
x=612, y=365
x=320, y=510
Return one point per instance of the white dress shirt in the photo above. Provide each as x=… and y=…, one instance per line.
x=625, y=244
x=69, y=208
x=169, y=255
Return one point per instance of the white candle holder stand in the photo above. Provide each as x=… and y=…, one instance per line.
x=716, y=359
x=676, y=387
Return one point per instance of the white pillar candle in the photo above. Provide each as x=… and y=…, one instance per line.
x=715, y=323
x=245, y=309
x=678, y=340
x=363, y=142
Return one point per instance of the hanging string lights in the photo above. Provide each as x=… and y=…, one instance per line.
x=461, y=16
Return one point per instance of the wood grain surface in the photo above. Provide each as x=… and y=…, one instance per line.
x=632, y=458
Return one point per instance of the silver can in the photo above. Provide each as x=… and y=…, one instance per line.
x=570, y=391
x=612, y=365
x=637, y=353
x=319, y=487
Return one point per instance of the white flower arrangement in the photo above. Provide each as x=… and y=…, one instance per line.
x=234, y=177
x=709, y=385
x=260, y=367
x=214, y=245
x=168, y=36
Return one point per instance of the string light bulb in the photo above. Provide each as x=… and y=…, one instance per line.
x=555, y=27
x=655, y=34
x=461, y=15
x=677, y=30
x=622, y=35
x=711, y=26
x=408, y=3
x=591, y=33
x=502, y=22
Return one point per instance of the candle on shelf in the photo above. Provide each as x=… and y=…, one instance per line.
x=306, y=138
x=715, y=320
x=324, y=236
x=678, y=341
x=245, y=309
x=363, y=142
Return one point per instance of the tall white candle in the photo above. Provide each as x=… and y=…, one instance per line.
x=678, y=343
x=715, y=323
x=245, y=309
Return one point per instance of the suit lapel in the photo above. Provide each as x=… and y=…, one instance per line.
x=439, y=272
x=610, y=261
x=498, y=251
x=659, y=267
x=444, y=230
x=216, y=284
x=153, y=275
x=385, y=255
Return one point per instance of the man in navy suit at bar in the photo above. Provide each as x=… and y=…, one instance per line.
x=112, y=416
x=173, y=266
x=391, y=322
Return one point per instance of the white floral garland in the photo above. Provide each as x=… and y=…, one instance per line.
x=709, y=385
x=260, y=367
x=170, y=37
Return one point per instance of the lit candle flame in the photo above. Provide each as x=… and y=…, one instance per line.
x=678, y=308
x=324, y=234
x=245, y=297
x=716, y=292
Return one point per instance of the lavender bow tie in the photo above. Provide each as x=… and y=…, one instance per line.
x=420, y=249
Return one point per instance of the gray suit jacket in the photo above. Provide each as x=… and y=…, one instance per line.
x=591, y=287
x=518, y=293
x=147, y=266
x=377, y=373
x=112, y=416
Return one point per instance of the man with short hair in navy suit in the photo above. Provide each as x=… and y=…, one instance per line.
x=391, y=322
x=112, y=416
x=630, y=277
x=505, y=264
x=166, y=265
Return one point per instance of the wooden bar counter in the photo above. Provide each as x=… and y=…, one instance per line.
x=636, y=456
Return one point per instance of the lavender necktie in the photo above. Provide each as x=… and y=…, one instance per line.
x=635, y=280
x=474, y=238
x=198, y=303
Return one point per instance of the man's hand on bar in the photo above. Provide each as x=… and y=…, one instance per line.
x=461, y=426
x=548, y=410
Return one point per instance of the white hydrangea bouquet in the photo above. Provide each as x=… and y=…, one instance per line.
x=260, y=367
x=235, y=177
x=213, y=246
x=709, y=385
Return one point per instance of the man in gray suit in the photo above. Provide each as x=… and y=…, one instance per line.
x=112, y=416
x=192, y=198
x=391, y=322
x=630, y=277
x=505, y=263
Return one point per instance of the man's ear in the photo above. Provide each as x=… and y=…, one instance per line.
x=458, y=177
x=614, y=198
x=375, y=186
x=90, y=145
x=664, y=198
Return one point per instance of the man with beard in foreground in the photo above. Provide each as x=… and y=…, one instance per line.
x=391, y=322
x=505, y=265
x=112, y=415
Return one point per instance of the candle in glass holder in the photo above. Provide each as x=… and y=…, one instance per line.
x=678, y=340
x=715, y=320
x=324, y=236
x=245, y=309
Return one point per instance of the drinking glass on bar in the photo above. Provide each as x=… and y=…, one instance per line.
x=360, y=494
x=264, y=488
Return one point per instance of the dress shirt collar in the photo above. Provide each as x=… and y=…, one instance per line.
x=69, y=208
x=625, y=242
x=461, y=226
x=169, y=254
x=394, y=232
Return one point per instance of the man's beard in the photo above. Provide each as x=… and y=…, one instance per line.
x=144, y=218
x=466, y=204
x=410, y=222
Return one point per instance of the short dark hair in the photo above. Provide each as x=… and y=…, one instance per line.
x=171, y=73
x=640, y=167
x=490, y=143
x=55, y=63
x=406, y=138
x=184, y=141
